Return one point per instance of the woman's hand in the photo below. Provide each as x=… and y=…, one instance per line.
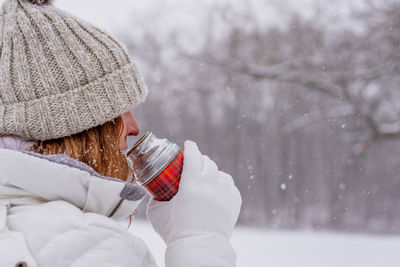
x=207, y=203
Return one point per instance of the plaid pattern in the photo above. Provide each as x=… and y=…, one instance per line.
x=166, y=184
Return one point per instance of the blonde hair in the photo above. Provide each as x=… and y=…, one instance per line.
x=98, y=147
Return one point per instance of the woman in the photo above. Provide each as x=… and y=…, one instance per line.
x=66, y=88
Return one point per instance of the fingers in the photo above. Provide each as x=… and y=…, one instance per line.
x=193, y=160
x=226, y=178
x=209, y=165
x=196, y=163
x=211, y=169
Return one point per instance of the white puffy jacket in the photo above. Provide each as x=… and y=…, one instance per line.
x=54, y=211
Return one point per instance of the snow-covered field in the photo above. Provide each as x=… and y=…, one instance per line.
x=262, y=248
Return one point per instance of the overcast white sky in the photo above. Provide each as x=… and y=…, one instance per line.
x=105, y=13
x=100, y=12
x=174, y=13
x=114, y=14
x=186, y=17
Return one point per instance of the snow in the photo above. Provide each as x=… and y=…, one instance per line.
x=283, y=187
x=264, y=248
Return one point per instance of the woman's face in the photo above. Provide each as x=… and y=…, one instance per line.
x=131, y=127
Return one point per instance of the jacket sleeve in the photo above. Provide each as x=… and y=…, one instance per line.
x=208, y=250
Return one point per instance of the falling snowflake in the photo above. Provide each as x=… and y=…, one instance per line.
x=283, y=187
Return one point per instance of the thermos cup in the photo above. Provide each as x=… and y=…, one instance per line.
x=157, y=165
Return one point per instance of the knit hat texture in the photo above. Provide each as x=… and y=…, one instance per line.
x=59, y=75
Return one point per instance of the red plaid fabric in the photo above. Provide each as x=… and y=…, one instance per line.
x=166, y=184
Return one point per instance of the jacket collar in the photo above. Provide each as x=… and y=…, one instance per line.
x=27, y=178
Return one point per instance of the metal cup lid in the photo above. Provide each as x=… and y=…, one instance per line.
x=149, y=156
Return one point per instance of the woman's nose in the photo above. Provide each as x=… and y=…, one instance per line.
x=133, y=127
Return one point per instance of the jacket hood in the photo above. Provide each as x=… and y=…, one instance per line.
x=14, y=142
x=27, y=177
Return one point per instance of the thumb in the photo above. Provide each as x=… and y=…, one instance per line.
x=193, y=160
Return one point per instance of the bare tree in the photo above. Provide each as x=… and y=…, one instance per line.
x=291, y=112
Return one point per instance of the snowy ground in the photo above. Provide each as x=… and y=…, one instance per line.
x=262, y=248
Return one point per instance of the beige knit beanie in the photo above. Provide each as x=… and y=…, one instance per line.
x=60, y=75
